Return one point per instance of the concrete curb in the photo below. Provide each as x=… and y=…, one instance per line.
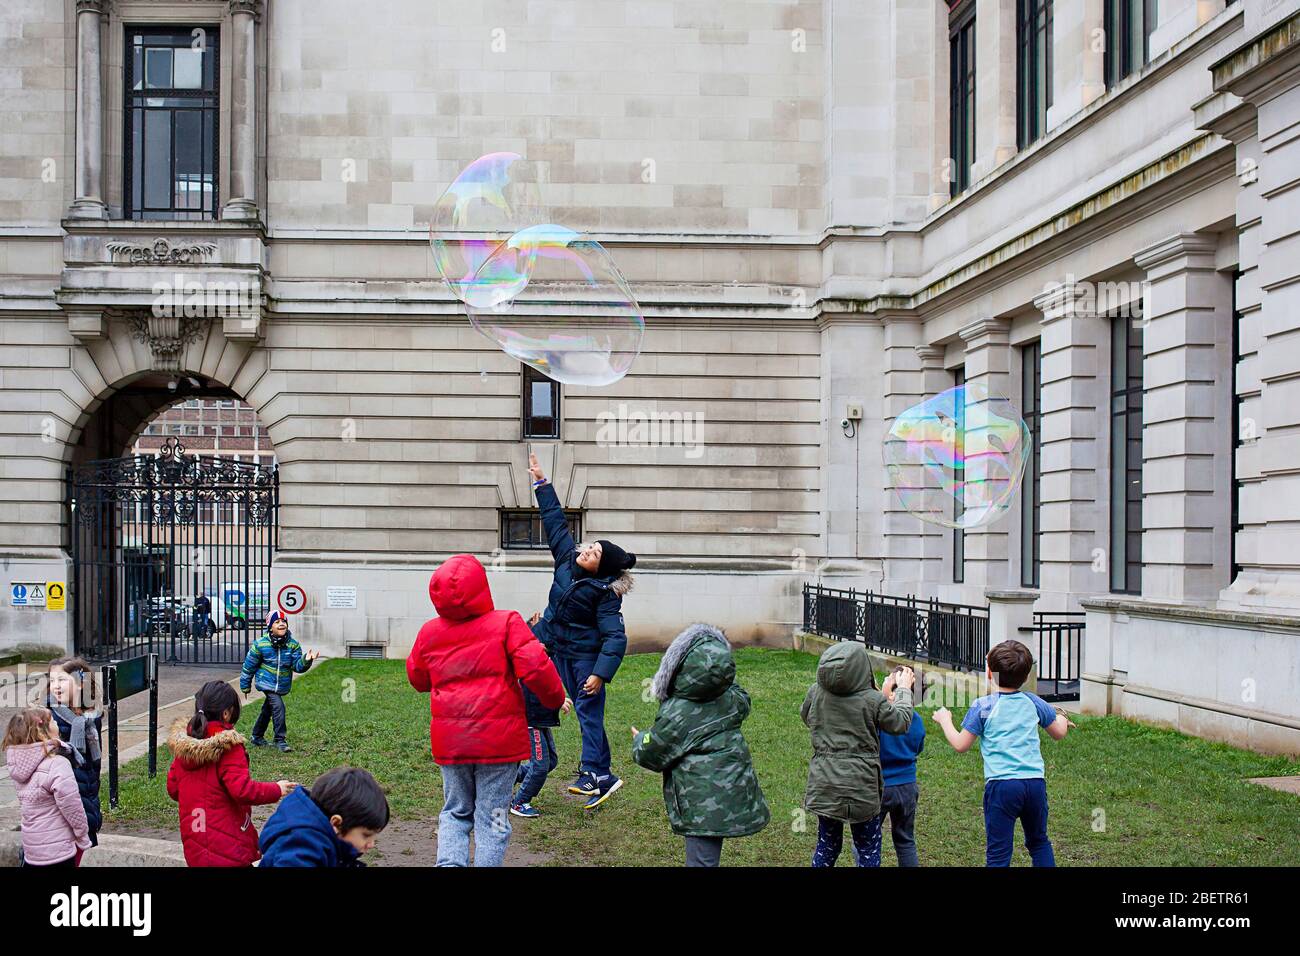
x=113, y=850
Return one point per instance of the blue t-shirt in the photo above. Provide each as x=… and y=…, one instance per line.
x=1007, y=726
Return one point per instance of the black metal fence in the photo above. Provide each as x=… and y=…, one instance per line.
x=948, y=635
x=1059, y=635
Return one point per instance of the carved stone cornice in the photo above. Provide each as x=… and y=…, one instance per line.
x=99, y=7
x=161, y=251
x=251, y=7
x=166, y=336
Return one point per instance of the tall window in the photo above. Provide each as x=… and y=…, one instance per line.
x=1031, y=493
x=961, y=93
x=171, y=133
x=1033, y=68
x=521, y=529
x=959, y=455
x=1126, y=456
x=541, y=405
x=1128, y=25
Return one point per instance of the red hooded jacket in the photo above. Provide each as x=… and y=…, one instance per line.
x=209, y=778
x=470, y=660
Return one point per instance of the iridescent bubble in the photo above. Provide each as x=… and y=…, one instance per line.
x=492, y=198
x=573, y=317
x=957, y=459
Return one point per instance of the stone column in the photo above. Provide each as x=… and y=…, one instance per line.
x=904, y=533
x=1175, y=19
x=1009, y=611
x=1187, y=420
x=1078, y=58
x=89, y=200
x=242, y=204
x=995, y=85
x=918, y=49
x=1075, y=442
x=988, y=363
x=936, y=540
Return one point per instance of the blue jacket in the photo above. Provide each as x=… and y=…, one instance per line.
x=584, y=619
x=299, y=834
x=898, y=753
x=270, y=667
x=86, y=771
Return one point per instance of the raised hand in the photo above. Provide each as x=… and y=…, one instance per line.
x=535, y=468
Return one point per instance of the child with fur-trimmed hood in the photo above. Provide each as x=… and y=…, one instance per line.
x=710, y=789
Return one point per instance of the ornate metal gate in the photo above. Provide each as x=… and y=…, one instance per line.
x=171, y=555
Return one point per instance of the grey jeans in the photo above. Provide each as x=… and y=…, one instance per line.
x=476, y=799
x=703, y=851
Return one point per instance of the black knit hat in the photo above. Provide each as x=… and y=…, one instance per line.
x=613, y=560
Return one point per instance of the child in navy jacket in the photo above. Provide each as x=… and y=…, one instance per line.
x=330, y=825
x=898, y=753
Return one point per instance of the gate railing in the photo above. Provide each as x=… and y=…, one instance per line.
x=941, y=633
x=1059, y=635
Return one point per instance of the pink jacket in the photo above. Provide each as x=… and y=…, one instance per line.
x=54, y=821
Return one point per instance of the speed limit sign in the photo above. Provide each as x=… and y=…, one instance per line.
x=291, y=599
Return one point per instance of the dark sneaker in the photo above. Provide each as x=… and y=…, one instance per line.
x=526, y=810
x=584, y=785
x=283, y=747
x=604, y=790
x=258, y=742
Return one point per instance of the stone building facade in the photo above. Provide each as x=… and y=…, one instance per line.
x=825, y=210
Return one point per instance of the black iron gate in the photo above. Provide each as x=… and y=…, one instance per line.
x=171, y=555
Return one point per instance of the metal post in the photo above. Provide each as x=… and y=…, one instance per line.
x=153, y=715
x=110, y=690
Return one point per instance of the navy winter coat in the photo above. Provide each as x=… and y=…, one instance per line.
x=87, y=774
x=584, y=619
x=299, y=834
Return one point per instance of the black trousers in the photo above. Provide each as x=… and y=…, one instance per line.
x=272, y=711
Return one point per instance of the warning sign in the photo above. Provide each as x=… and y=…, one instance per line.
x=27, y=594
x=56, y=595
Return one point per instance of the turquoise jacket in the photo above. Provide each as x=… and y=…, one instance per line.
x=270, y=666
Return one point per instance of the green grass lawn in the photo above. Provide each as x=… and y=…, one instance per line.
x=1120, y=793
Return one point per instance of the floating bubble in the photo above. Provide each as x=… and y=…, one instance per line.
x=957, y=459
x=492, y=198
x=573, y=317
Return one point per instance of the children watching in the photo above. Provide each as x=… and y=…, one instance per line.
x=1006, y=723
x=470, y=660
x=845, y=715
x=710, y=789
x=898, y=753
x=55, y=831
x=330, y=825
x=210, y=781
x=71, y=700
x=583, y=629
x=271, y=662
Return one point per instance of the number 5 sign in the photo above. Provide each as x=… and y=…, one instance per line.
x=291, y=599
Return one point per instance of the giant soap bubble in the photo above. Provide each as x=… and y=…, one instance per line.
x=957, y=459
x=556, y=301
x=493, y=197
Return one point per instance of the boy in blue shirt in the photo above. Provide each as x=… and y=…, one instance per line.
x=898, y=753
x=1006, y=723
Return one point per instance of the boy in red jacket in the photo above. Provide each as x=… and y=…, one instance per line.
x=470, y=660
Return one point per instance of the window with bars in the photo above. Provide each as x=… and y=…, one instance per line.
x=1128, y=25
x=541, y=403
x=521, y=528
x=961, y=94
x=171, y=114
x=1126, y=456
x=1033, y=68
x=1031, y=492
x=959, y=454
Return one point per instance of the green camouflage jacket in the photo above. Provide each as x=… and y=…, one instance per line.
x=710, y=788
x=845, y=714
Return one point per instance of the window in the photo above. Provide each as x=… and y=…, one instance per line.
x=1033, y=68
x=959, y=453
x=961, y=93
x=1128, y=25
x=541, y=405
x=1126, y=456
x=521, y=529
x=1031, y=493
x=171, y=115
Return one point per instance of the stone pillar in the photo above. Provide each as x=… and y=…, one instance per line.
x=1075, y=442
x=1187, y=420
x=988, y=363
x=904, y=532
x=853, y=472
x=995, y=85
x=1078, y=58
x=1009, y=611
x=918, y=50
x=936, y=541
x=242, y=204
x=88, y=202
x=1175, y=19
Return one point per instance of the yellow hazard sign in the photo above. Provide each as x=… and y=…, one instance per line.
x=56, y=595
